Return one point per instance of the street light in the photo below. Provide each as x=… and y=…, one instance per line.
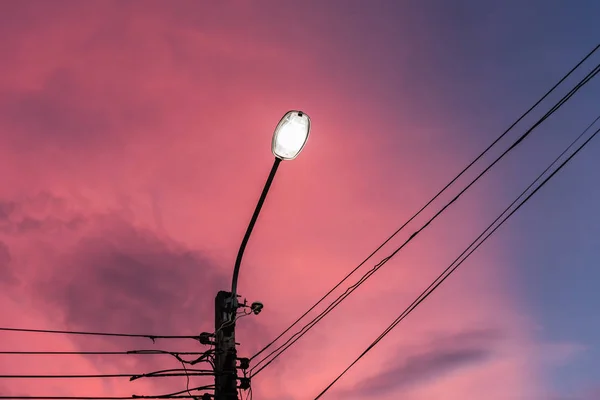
x=290, y=135
x=289, y=139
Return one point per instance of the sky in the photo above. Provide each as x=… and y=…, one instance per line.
x=135, y=141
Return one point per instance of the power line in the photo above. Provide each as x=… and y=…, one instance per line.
x=204, y=356
x=92, y=397
x=427, y=204
x=131, y=335
x=175, y=395
x=473, y=246
x=103, y=353
x=348, y=291
x=130, y=376
x=171, y=372
x=188, y=390
x=274, y=354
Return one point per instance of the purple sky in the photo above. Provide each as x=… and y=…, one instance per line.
x=134, y=141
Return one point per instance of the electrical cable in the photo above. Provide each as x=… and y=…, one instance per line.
x=426, y=204
x=204, y=356
x=208, y=357
x=473, y=246
x=131, y=335
x=248, y=390
x=89, y=397
x=205, y=387
x=229, y=323
x=187, y=379
x=225, y=324
x=130, y=376
x=187, y=385
x=294, y=338
x=168, y=372
x=102, y=353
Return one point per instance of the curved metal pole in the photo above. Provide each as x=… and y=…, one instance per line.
x=261, y=200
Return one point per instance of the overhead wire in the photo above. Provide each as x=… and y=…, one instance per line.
x=274, y=354
x=92, y=397
x=170, y=372
x=92, y=376
x=130, y=335
x=503, y=217
x=427, y=204
x=187, y=383
x=102, y=353
x=238, y=315
x=188, y=390
x=206, y=355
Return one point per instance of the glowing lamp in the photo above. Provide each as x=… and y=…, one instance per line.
x=290, y=135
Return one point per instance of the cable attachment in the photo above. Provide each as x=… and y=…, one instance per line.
x=244, y=363
x=244, y=383
x=205, y=338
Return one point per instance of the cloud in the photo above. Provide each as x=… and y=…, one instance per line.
x=112, y=275
x=104, y=274
x=6, y=209
x=587, y=393
x=43, y=212
x=6, y=275
x=446, y=355
x=128, y=278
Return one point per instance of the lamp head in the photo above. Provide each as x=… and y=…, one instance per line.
x=290, y=135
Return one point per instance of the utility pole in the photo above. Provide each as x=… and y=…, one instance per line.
x=225, y=350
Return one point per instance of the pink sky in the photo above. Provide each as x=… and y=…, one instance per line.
x=134, y=142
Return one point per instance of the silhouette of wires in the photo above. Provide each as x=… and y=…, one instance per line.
x=274, y=354
x=204, y=356
x=486, y=234
x=157, y=374
x=129, y=335
x=94, y=397
x=189, y=390
x=102, y=353
x=200, y=357
x=207, y=357
x=437, y=195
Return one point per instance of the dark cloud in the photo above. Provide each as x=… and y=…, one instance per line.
x=43, y=212
x=111, y=276
x=6, y=273
x=6, y=209
x=444, y=356
x=125, y=279
x=64, y=114
x=54, y=113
